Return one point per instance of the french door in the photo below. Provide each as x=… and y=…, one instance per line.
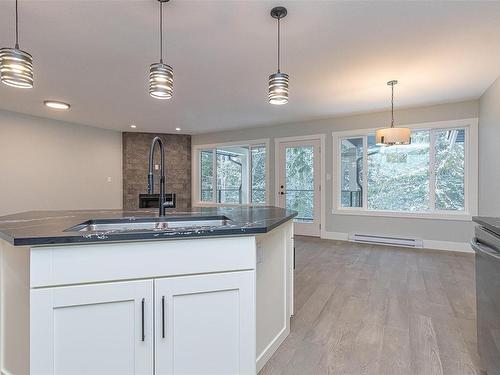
x=299, y=186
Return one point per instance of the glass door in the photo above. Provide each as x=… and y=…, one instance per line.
x=299, y=184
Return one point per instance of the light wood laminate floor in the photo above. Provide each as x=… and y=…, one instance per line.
x=363, y=309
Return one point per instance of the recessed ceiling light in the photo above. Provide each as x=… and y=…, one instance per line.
x=133, y=126
x=178, y=129
x=56, y=105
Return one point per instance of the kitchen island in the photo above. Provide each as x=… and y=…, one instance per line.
x=208, y=291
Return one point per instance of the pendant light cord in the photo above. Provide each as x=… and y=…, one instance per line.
x=392, y=106
x=279, y=45
x=17, y=28
x=161, y=32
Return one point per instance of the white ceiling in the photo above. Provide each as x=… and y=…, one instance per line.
x=339, y=55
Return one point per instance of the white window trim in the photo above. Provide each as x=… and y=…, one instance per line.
x=195, y=172
x=471, y=173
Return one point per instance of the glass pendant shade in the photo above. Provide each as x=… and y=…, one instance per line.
x=16, y=68
x=393, y=136
x=161, y=81
x=278, y=88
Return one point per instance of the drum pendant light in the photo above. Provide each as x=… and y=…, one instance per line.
x=393, y=135
x=16, y=65
x=278, y=82
x=161, y=76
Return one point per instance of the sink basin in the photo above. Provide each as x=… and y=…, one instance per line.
x=149, y=224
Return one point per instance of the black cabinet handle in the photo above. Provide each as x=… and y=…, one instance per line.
x=142, y=321
x=163, y=316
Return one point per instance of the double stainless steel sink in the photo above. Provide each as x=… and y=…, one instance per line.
x=149, y=224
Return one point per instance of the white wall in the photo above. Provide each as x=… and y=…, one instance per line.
x=429, y=229
x=489, y=151
x=52, y=165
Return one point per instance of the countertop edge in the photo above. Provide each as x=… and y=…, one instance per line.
x=145, y=236
x=486, y=222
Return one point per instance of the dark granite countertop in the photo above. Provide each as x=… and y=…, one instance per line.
x=491, y=223
x=50, y=227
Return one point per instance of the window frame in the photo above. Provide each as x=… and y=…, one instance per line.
x=470, y=172
x=196, y=172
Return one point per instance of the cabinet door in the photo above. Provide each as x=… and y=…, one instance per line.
x=93, y=329
x=205, y=324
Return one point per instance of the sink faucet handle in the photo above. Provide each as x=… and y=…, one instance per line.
x=168, y=204
x=150, y=183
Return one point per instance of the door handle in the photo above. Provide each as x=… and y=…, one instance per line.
x=282, y=193
x=142, y=320
x=481, y=248
x=163, y=316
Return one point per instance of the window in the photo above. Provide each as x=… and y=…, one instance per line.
x=207, y=176
x=259, y=174
x=351, y=176
x=449, y=166
x=398, y=176
x=232, y=164
x=299, y=182
x=427, y=176
x=235, y=174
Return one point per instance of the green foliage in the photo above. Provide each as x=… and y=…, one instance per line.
x=300, y=181
x=258, y=175
x=399, y=186
x=206, y=173
x=450, y=170
x=399, y=177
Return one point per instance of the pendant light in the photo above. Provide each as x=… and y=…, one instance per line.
x=393, y=135
x=161, y=76
x=278, y=82
x=16, y=66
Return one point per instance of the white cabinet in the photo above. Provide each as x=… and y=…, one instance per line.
x=203, y=305
x=93, y=329
x=205, y=324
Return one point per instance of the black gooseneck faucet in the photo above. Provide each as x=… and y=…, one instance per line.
x=157, y=140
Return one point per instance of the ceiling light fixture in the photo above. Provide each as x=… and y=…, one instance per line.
x=54, y=104
x=178, y=129
x=133, y=126
x=393, y=135
x=161, y=76
x=278, y=82
x=16, y=66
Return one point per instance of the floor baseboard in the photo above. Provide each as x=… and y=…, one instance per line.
x=461, y=247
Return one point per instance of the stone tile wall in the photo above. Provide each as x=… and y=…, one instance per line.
x=135, y=167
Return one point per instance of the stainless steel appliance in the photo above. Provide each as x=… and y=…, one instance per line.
x=486, y=245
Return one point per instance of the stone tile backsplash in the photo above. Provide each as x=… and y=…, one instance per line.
x=135, y=167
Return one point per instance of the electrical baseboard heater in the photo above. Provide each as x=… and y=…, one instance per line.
x=386, y=240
